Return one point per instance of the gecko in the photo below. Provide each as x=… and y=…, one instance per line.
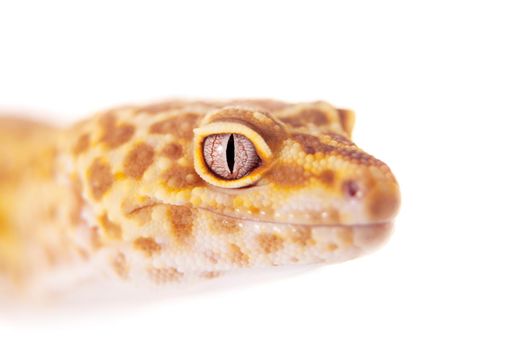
x=174, y=191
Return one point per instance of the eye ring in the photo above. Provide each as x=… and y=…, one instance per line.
x=202, y=168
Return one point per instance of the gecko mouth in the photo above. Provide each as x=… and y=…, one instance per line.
x=311, y=225
x=365, y=236
x=257, y=220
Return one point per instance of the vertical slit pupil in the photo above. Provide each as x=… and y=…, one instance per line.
x=230, y=153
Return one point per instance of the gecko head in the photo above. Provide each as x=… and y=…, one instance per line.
x=295, y=179
x=210, y=187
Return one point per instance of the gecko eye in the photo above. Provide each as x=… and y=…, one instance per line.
x=230, y=156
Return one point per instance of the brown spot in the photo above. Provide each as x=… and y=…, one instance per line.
x=147, y=245
x=312, y=144
x=114, y=135
x=82, y=144
x=270, y=243
x=327, y=177
x=303, y=237
x=180, y=126
x=120, y=266
x=100, y=178
x=178, y=177
x=181, y=220
x=172, y=151
x=237, y=256
x=112, y=230
x=138, y=160
x=288, y=174
x=164, y=275
x=224, y=225
x=210, y=274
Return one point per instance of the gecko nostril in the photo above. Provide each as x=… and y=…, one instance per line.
x=352, y=189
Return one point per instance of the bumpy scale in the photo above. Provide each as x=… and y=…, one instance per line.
x=180, y=190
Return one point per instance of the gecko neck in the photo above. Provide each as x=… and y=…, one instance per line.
x=35, y=204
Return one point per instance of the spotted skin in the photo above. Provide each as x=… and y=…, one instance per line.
x=125, y=192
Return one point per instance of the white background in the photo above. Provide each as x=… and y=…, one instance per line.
x=439, y=92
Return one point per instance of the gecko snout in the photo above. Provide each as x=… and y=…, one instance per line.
x=380, y=199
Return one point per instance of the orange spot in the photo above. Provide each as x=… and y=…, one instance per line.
x=120, y=266
x=270, y=243
x=164, y=275
x=147, y=245
x=237, y=256
x=224, y=225
x=331, y=247
x=210, y=274
x=138, y=161
x=303, y=237
x=112, y=230
x=99, y=178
